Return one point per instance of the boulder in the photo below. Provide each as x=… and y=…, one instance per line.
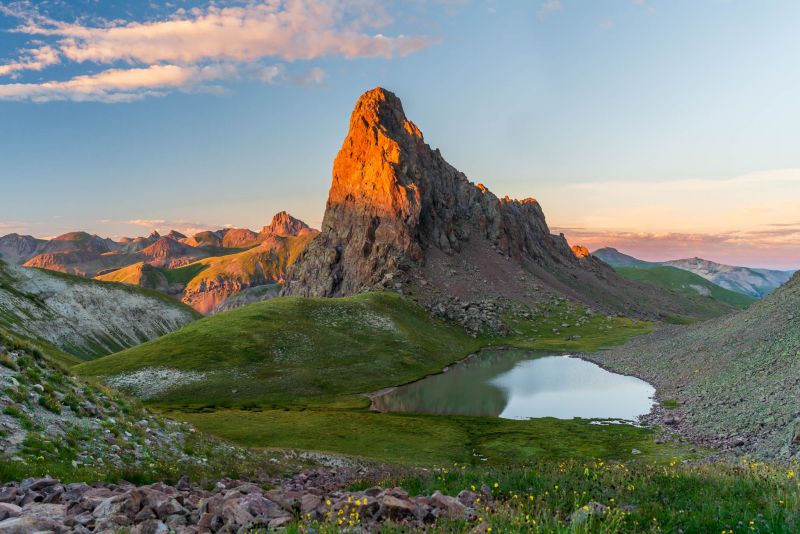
x=397, y=509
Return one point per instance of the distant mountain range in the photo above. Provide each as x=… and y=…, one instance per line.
x=748, y=281
x=202, y=270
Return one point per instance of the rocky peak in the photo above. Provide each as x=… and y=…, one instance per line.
x=393, y=197
x=174, y=234
x=284, y=224
x=19, y=248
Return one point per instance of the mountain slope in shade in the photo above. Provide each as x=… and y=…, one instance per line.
x=711, y=300
x=399, y=216
x=746, y=280
x=736, y=379
x=615, y=258
x=16, y=248
x=84, y=317
x=755, y=282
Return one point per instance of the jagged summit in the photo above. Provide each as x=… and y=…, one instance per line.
x=284, y=224
x=393, y=197
x=398, y=214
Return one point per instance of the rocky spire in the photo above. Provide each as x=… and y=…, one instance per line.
x=393, y=197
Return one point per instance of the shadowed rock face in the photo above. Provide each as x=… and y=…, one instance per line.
x=393, y=198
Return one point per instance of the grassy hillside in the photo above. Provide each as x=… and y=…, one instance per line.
x=292, y=372
x=290, y=349
x=707, y=298
x=54, y=424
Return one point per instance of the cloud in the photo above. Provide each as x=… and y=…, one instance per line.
x=175, y=52
x=163, y=226
x=761, y=178
x=118, y=85
x=34, y=59
x=315, y=76
x=778, y=248
x=549, y=7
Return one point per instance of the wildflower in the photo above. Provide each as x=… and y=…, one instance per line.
x=328, y=502
x=472, y=487
x=791, y=474
x=496, y=484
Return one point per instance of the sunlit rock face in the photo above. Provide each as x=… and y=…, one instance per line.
x=580, y=251
x=393, y=198
x=284, y=224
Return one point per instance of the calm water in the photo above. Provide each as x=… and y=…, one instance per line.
x=518, y=384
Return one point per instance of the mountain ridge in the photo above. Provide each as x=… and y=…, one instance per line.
x=150, y=261
x=750, y=281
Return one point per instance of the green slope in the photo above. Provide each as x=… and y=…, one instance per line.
x=292, y=372
x=288, y=349
x=705, y=297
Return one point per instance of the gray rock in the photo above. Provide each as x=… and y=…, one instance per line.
x=397, y=509
x=8, y=510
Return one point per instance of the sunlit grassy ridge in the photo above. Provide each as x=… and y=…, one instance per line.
x=268, y=260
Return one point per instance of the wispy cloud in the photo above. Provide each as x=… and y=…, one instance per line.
x=770, y=247
x=192, y=48
x=761, y=178
x=549, y=7
x=163, y=226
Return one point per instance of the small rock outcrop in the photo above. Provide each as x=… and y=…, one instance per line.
x=580, y=251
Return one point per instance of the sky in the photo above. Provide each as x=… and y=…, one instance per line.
x=665, y=128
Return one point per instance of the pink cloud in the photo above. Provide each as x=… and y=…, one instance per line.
x=35, y=59
x=191, y=41
x=777, y=247
x=117, y=85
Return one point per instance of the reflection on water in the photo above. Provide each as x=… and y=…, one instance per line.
x=516, y=384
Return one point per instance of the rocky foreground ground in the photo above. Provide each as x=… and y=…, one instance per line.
x=315, y=497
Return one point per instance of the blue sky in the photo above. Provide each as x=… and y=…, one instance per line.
x=666, y=128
